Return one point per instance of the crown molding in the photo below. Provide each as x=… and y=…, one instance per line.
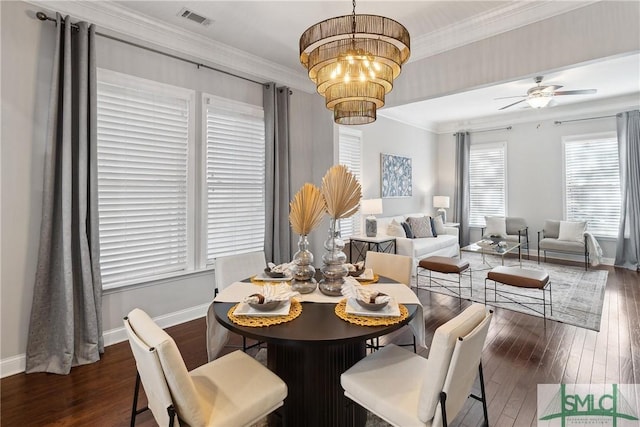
x=124, y=22
x=497, y=21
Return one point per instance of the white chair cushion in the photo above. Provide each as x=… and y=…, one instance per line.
x=388, y=382
x=442, y=345
x=496, y=226
x=572, y=231
x=229, y=384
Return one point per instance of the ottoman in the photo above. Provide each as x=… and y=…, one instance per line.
x=444, y=265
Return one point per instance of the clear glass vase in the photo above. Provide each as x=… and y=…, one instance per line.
x=303, y=271
x=333, y=268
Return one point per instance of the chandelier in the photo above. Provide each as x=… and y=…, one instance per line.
x=353, y=60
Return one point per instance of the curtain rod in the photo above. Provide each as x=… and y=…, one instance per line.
x=485, y=130
x=558, y=122
x=43, y=17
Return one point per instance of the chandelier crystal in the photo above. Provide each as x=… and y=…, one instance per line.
x=353, y=60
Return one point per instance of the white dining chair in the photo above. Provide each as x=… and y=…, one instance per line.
x=233, y=390
x=395, y=267
x=407, y=390
x=230, y=269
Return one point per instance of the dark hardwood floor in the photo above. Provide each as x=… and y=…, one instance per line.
x=519, y=354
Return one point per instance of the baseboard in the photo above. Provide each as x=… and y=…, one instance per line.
x=17, y=364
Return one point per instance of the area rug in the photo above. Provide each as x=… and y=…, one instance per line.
x=577, y=294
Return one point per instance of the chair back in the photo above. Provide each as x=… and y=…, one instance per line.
x=217, y=335
x=233, y=268
x=463, y=370
x=173, y=372
x=515, y=224
x=443, y=344
x=551, y=229
x=395, y=267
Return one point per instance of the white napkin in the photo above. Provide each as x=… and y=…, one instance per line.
x=351, y=288
x=279, y=292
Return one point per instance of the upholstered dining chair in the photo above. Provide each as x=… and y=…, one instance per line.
x=406, y=389
x=395, y=267
x=229, y=269
x=234, y=389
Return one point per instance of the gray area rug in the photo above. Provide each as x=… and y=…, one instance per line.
x=577, y=294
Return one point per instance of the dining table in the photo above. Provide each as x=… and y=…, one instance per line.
x=310, y=352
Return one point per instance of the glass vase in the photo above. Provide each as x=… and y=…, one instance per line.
x=303, y=271
x=333, y=268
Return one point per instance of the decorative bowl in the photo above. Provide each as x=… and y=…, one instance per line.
x=273, y=274
x=356, y=273
x=373, y=306
x=267, y=306
x=496, y=239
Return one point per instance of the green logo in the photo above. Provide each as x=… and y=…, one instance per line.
x=611, y=405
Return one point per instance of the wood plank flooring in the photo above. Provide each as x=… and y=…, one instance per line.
x=519, y=354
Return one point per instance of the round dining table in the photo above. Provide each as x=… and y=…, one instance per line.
x=310, y=353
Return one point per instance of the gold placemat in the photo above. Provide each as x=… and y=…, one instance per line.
x=258, y=321
x=370, y=320
x=368, y=282
x=257, y=281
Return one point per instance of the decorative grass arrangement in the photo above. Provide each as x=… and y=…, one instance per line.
x=306, y=209
x=342, y=192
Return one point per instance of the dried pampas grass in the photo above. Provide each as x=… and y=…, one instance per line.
x=306, y=209
x=342, y=192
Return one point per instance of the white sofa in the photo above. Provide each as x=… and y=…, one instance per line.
x=444, y=245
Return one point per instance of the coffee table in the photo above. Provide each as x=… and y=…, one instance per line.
x=501, y=251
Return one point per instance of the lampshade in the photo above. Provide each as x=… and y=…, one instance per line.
x=441, y=202
x=371, y=206
x=353, y=60
x=539, y=99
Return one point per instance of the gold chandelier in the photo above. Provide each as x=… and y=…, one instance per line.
x=353, y=60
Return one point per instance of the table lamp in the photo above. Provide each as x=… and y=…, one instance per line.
x=371, y=207
x=442, y=203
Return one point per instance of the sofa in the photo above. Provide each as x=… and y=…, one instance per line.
x=446, y=244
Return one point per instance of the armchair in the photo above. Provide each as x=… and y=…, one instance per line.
x=516, y=230
x=565, y=237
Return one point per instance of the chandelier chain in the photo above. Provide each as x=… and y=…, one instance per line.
x=353, y=21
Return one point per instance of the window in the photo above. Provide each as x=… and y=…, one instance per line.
x=592, y=182
x=349, y=149
x=487, y=182
x=235, y=169
x=144, y=181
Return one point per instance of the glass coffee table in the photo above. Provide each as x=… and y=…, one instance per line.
x=487, y=248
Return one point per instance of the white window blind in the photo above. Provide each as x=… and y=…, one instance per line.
x=487, y=182
x=592, y=183
x=350, y=149
x=235, y=171
x=143, y=179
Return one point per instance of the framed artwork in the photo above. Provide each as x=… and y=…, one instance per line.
x=395, y=176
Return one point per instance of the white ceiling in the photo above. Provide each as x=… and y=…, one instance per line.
x=271, y=30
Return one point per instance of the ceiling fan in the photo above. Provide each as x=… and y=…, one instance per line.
x=540, y=96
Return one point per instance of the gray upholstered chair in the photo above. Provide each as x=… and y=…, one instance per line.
x=517, y=231
x=548, y=241
x=233, y=390
x=406, y=389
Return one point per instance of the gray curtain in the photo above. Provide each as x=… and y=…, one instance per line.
x=461, y=197
x=66, y=320
x=277, y=239
x=628, y=246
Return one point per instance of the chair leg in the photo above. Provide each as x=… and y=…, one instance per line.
x=484, y=396
x=172, y=415
x=134, y=408
x=443, y=409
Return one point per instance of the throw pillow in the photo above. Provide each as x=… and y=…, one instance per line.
x=433, y=227
x=421, y=226
x=572, y=231
x=407, y=230
x=437, y=225
x=395, y=229
x=496, y=226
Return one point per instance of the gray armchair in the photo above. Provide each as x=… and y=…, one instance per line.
x=548, y=242
x=517, y=231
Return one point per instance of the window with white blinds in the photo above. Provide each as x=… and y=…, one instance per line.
x=487, y=182
x=144, y=183
x=235, y=171
x=592, y=182
x=350, y=155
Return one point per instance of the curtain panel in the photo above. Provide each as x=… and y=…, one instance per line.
x=277, y=239
x=461, y=196
x=628, y=244
x=65, y=328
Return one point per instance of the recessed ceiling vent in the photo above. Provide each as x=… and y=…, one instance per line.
x=192, y=16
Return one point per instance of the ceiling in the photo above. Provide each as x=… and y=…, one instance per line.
x=271, y=30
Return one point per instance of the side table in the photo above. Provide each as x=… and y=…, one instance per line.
x=363, y=244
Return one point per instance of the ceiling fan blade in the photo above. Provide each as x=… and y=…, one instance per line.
x=576, y=92
x=508, y=97
x=511, y=105
x=551, y=88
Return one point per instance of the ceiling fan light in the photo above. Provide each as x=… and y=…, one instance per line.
x=539, y=100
